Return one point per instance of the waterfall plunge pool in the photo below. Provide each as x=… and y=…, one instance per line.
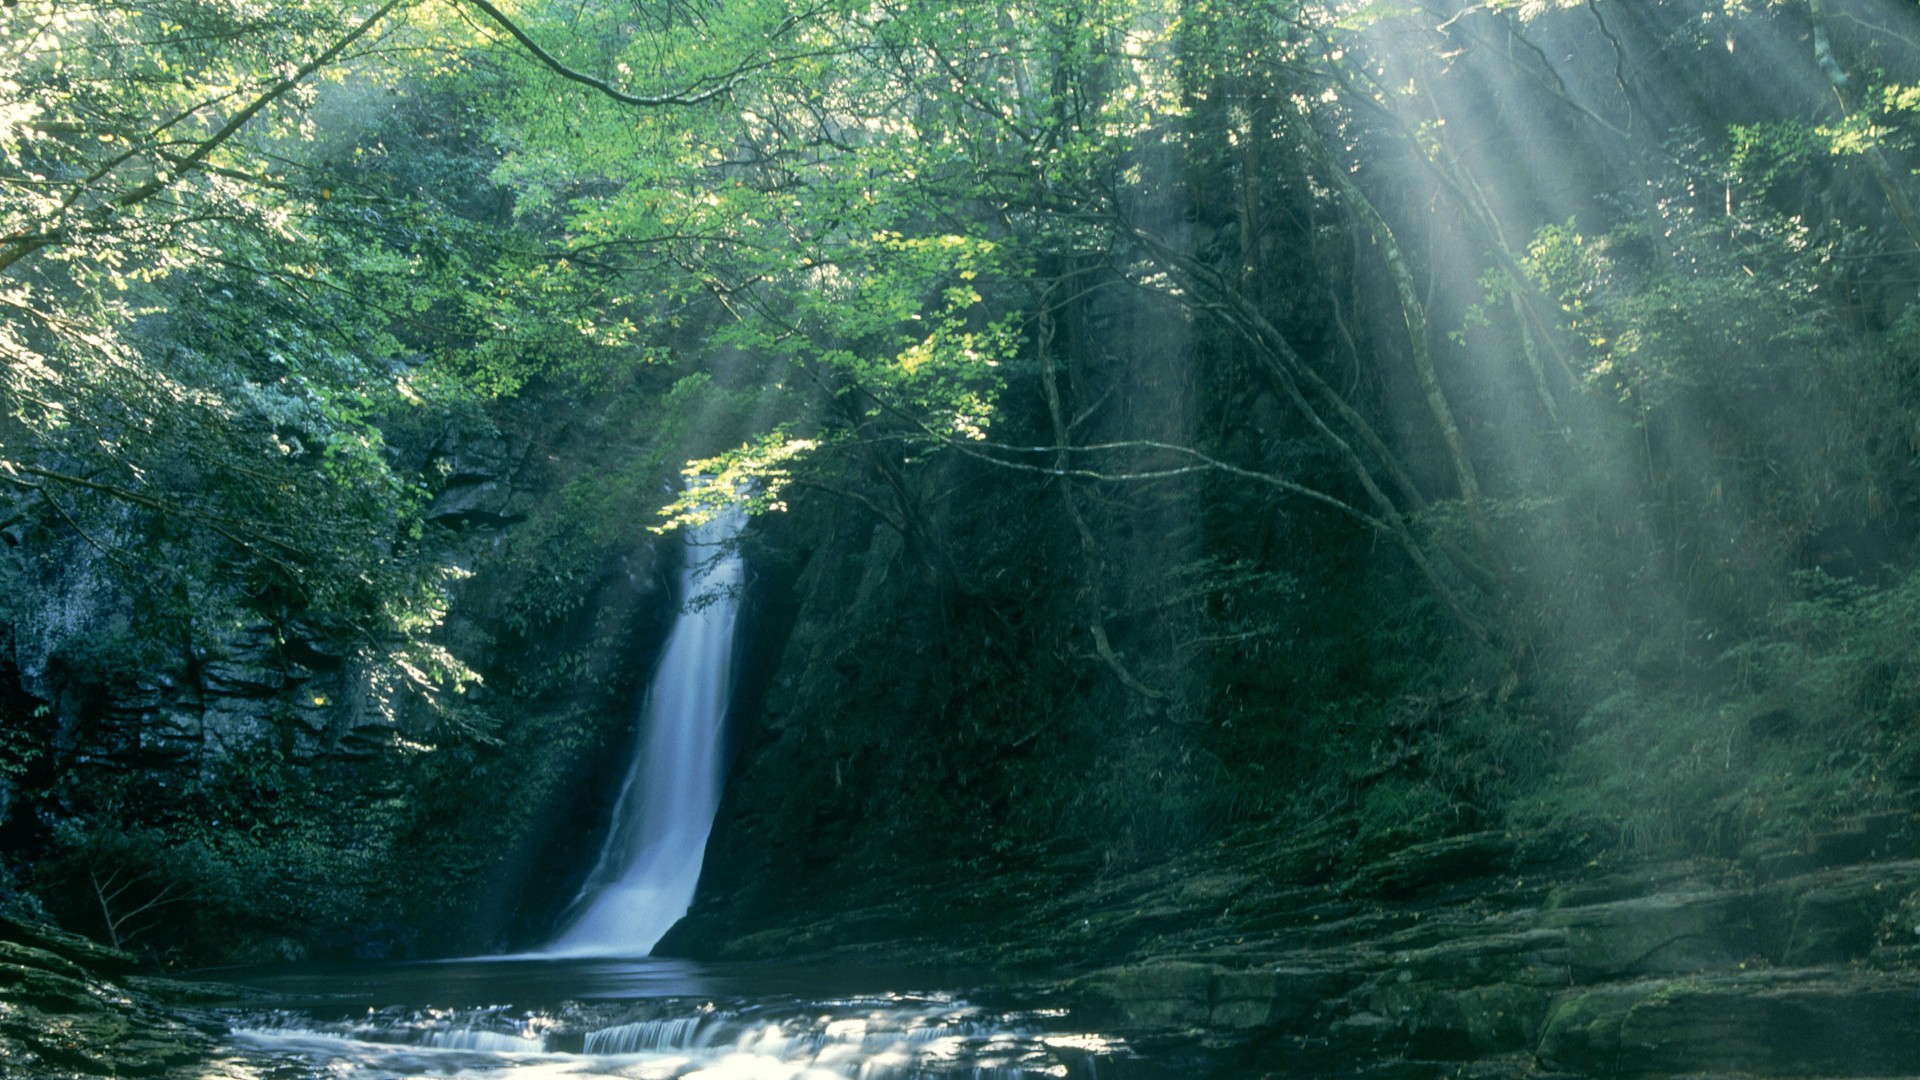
x=592, y=1004
x=520, y=1018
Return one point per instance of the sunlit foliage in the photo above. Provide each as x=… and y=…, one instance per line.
x=1491, y=375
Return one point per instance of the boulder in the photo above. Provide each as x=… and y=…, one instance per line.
x=1835, y=915
x=1661, y=934
x=1773, y=1023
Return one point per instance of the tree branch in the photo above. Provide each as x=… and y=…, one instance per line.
x=253, y=544
x=192, y=162
x=688, y=96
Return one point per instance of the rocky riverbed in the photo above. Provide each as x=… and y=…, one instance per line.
x=1487, y=953
x=1451, y=956
x=1465, y=956
x=73, y=1008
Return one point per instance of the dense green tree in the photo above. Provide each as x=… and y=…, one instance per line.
x=1338, y=405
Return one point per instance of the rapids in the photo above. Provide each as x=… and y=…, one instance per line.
x=646, y=1020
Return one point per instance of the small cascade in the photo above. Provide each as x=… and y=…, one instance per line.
x=472, y=1038
x=644, y=879
x=898, y=1037
x=674, y=1033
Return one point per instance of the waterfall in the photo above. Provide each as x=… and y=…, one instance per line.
x=644, y=879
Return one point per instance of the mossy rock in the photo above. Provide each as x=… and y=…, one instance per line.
x=84, y=952
x=1807, y=1023
x=89, y=1044
x=1835, y=916
x=1538, y=957
x=1434, y=865
x=26, y=956
x=52, y=990
x=1171, y=994
x=59, y=1016
x=1437, y=1022
x=1656, y=935
x=1582, y=1029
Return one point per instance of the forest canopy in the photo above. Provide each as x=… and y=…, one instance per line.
x=1404, y=403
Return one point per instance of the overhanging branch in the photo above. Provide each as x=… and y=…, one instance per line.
x=197, y=160
x=692, y=95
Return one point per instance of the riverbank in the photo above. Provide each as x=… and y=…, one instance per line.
x=72, y=1008
x=1479, y=953
x=1474, y=955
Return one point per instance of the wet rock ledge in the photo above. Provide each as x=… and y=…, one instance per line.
x=70, y=1008
x=1774, y=964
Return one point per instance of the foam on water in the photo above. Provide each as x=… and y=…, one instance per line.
x=880, y=1039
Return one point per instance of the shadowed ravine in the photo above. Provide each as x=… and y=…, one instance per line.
x=1274, y=539
x=593, y=1004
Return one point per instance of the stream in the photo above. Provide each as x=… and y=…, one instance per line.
x=592, y=1003
x=654, y=1019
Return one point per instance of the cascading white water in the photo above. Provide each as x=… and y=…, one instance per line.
x=627, y=1016
x=894, y=1037
x=644, y=879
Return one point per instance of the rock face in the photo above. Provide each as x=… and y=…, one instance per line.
x=294, y=686
x=70, y=1008
x=297, y=683
x=1699, y=966
x=475, y=467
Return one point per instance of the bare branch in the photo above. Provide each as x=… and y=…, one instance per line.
x=1090, y=550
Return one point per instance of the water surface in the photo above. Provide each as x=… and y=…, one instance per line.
x=521, y=1018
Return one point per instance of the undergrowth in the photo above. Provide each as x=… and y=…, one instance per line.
x=1806, y=721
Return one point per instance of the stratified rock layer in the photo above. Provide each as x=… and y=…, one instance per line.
x=1484, y=955
x=1766, y=966
x=70, y=1008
